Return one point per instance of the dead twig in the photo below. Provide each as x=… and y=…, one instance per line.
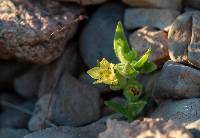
x=10, y=105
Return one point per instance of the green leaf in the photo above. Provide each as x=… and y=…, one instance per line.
x=116, y=106
x=148, y=67
x=135, y=108
x=140, y=63
x=121, y=46
x=126, y=70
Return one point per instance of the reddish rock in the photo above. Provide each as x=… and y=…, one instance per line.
x=146, y=128
x=29, y=30
x=145, y=38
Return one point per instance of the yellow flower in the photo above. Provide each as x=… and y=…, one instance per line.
x=104, y=73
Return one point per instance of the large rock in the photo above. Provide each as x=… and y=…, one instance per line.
x=85, y=2
x=158, y=18
x=177, y=81
x=77, y=103
x=85, y=78
x=31, y=31
x=167, y=4
x=96, y=40
x=13, y=133
x=145, y=38
x=184, y=42
x=182, y=111
x=15, y=118
x=89, y=131
x=73, y=104
x=146, y=128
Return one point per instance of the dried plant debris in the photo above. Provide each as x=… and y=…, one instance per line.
x=35, y=32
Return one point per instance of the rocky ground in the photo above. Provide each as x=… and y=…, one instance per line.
x=46, y=47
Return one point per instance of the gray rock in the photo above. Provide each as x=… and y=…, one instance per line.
x=145, y=128
x=85, y=2
x=167, y=4
x=184, y=43
x=149, y=81
x=13, y=133
x=73, y=104
x=77, y=103
x=27, y=84
x=145, y=38
x=89, y=131
x=96, y=40
x=9, y=70
x=88, y=80
x=177, y=81
x=181, y=111
x=14, y=118
x=42, y=111
x=29, y=30
x=68, y=62
x=9, y=97
x=158, y=18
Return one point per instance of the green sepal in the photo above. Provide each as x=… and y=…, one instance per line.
x=116, y=106
x=140, y=63
x=148, y=67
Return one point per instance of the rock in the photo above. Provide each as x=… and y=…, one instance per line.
x=181, y=111
x=145, y=38
x=146, y=128
x=85, y=78
x=89, y=131
x=13, y=133
x=194, y=128
x=85, y=2
x=148, y=81
x=177, y=81
x=15, y=118
x=9, y=70
x=42, y=112
x=194, y=125
x=29, y=30
x=73, y=104
x=168, y=4
x=9, y=97
x=157, y=18
x=192, y=3
x=27, y=85
x=184, y=44
x=77, y=104
x=96, y=40
x=68, y=62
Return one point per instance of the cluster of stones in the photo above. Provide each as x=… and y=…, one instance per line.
x=40, y=59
